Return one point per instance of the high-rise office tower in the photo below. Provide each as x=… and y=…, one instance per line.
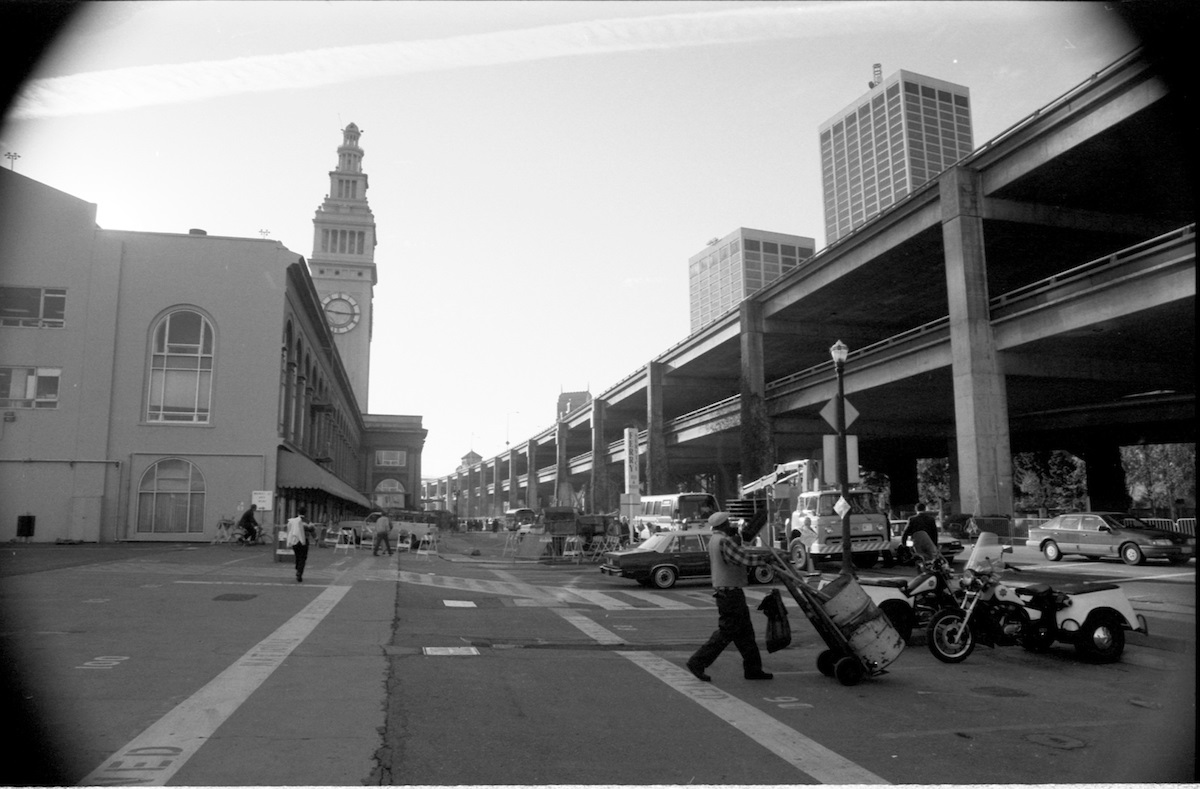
x=733, y=267
x=899, y=135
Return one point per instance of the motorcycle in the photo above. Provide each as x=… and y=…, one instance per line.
x=1093, y=618
x=910, y=603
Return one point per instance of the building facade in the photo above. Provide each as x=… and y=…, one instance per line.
x=343, y=261
x=737, y=265
x=153, y=384
x=891, y=140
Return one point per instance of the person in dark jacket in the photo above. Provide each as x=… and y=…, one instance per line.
x=249, y=525
x=922, y=521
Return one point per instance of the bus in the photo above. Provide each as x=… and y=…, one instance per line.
x=672, y=511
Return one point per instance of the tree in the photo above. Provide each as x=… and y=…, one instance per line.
x=1048, y=481
x=933, y=481
x=1160, y=475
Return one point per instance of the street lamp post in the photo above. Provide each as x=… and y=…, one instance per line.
x=839, y=352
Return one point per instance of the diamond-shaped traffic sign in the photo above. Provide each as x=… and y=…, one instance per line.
x=842, y=507
x=829, y=414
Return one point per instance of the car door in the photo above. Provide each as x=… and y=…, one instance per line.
x=1067, y=534
x=1092, y=540
x=693, y=556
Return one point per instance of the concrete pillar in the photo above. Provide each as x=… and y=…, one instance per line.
x=514, y=486
x=1106, y=485
x=562, y=479
x=980, y=397
x=598, y=500
x=657, y=469
x=531, y=478
x=757, y=436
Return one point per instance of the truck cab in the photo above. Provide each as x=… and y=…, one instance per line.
x=816, y=528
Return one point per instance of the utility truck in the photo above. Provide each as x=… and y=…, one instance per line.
x=804, y=518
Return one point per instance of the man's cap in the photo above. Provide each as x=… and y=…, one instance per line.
x=718, y=520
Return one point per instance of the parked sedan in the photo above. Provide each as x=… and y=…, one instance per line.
x=1097, y=534
x=668, y=556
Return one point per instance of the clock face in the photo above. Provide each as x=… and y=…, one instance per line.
x=341, y=311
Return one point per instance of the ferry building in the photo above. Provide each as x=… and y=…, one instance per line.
x=152, y=384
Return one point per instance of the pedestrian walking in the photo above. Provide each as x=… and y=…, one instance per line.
x=922, y=521
x=383, y=528
x=729, y=573
x=297, y=540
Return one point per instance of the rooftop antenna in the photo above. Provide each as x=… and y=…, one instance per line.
x=877, y=74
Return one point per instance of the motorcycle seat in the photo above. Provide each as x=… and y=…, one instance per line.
x=1033, y=589
x=899, y=583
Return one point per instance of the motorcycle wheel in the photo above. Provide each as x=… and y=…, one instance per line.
x=848, y=671
x=949, y=636
x=1101, y=640
x=826, y=661
x=901, y=617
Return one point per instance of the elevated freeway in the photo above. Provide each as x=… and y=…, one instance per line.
x=1040, y=293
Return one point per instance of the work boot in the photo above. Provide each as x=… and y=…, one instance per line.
x=759, y=674
x=698, y=672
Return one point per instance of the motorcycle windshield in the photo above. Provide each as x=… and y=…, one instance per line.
x=987, y=555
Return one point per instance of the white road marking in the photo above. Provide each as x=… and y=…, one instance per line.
x=155, y=755
x=807, y=756
x=594, y=631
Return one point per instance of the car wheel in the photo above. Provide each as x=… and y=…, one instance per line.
x=798, y=555
x=762, y=574
x=664, y=577
x=901, y=617
x=1051, y=551
x=1131, y=554
x=1101, y=640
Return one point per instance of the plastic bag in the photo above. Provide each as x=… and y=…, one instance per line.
x=779, y=630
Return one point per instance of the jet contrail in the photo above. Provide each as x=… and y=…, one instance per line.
x=147, y=86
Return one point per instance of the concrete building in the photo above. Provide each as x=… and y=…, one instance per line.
x=737, y=265
x=152, y=384
x=894, y=138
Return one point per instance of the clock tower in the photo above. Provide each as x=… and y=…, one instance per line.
x=343, y=262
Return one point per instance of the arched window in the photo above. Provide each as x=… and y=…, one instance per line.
x=181, y=368
x=390, y=493
x=171, y=499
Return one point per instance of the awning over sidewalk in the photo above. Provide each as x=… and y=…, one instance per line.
x=296, y=471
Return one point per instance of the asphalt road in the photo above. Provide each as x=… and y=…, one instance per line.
x=209, y=665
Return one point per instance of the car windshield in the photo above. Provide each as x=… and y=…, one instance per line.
x=1125, y=521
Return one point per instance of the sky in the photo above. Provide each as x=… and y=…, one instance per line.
x=539, y=172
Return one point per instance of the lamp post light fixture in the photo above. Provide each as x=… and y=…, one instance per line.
x=839, y=351
x=12, y=157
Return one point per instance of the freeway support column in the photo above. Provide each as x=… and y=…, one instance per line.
x=531, y=476
x=758, y=441
x=598, y=500
x=562, y=480
x=980, y=397
x=656, y=442
x=513, y=484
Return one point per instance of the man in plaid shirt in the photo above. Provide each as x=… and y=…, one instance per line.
x=730, y=562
